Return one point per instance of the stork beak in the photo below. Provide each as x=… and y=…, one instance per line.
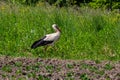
x=58, y=29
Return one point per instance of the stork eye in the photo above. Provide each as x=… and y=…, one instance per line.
x=56, y=26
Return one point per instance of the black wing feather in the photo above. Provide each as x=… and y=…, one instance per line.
x=40, y=42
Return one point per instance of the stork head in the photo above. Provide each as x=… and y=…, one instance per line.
x=55, y=27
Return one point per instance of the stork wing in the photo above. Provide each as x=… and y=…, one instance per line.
x=51, y=37
x=40, y=42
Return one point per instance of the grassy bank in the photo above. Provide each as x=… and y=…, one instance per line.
x=86, y=33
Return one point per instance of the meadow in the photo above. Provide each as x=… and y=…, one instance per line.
x=87, y=34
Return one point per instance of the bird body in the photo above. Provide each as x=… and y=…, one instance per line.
x=52, y=37
x=48, y=39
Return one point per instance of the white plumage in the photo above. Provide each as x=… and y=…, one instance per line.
x=52, y=37
x=48, y=39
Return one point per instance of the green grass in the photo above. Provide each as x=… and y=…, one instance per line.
x=86, y=33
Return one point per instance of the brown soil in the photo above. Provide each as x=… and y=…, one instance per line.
x=53, y=69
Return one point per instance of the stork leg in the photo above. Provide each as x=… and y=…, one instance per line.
x=54, y=48
x=45, y=49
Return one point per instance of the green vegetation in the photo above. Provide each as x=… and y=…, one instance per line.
x=104, y=4
x=84, y=77
x=7, y=68
x=108, y=66
x=86, y=33
x=69, y=66
x=42, y=78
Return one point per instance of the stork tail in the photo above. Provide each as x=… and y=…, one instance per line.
x=35, y=44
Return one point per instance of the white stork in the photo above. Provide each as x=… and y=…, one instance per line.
x=48, y=39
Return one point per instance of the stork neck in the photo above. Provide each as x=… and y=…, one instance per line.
x=57, y=31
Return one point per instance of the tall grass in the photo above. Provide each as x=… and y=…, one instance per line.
x=86, y=33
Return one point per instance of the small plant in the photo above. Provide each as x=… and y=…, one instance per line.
x=100, y=72
x=108, y=66
x=58, y=69
x=49, y=68
x=35, y=67
x=28, y=67
x=84, y=77
x=18, y=64
x=4, y=75
x=70, y=66
x=70, y=74
x=85, y=66
x=40, y=77
x=7, y=68
x=21, y=78
x=32, y=74
x=18, y=71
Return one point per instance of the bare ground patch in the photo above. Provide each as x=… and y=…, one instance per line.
x=54, y=69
